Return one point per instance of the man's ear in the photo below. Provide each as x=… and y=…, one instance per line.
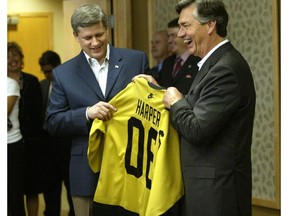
x=211, y=26
x=76, y=36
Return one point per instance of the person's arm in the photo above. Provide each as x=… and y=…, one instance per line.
x=11, y=100
x=62, y=120
x=200, y=115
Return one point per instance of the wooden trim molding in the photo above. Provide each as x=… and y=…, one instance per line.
x=122, y=23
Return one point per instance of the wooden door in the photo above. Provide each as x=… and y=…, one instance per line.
x=34, y=34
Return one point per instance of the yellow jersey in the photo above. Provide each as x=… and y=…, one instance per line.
x=137, y=153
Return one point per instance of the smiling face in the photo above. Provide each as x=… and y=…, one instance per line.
x=172, y=36
x=176, y=44
x=93, y=41
x=14, y=61
x=197, y=36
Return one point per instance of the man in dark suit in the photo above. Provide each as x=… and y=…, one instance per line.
x=57, y=150
x=81, y=90
x=215, y=118
x=183, y=76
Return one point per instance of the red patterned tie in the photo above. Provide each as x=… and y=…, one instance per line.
x=177, y=66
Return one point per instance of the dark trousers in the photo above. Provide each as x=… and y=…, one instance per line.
x=16, y=179
x=52, y=199
x=57, y=157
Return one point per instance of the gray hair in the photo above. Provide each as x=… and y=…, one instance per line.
x=87, y=15
x=208, y=10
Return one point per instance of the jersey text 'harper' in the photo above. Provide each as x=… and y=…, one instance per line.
x=148, y=112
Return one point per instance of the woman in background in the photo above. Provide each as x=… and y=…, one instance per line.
x=15, y=152
x=30, y=117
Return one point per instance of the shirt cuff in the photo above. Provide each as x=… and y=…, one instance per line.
x=86, y=113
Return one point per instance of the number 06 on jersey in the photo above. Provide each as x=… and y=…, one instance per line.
x=137, y=153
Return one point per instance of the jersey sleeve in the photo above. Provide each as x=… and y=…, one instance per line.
x=95, y=147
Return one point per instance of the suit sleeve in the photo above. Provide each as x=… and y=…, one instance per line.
x=61, y=119
x=199, y=116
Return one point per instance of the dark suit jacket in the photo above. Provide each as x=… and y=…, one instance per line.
x=185, y=76
x=57, y=150
x=30, y=118
x=30, y=107
x=74, y=89
x=45, y=84
x=153, y=71
x=215, y=121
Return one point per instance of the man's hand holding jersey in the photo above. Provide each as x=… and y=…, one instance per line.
x=101, y=110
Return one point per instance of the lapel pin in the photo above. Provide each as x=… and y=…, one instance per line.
x=116, y=66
